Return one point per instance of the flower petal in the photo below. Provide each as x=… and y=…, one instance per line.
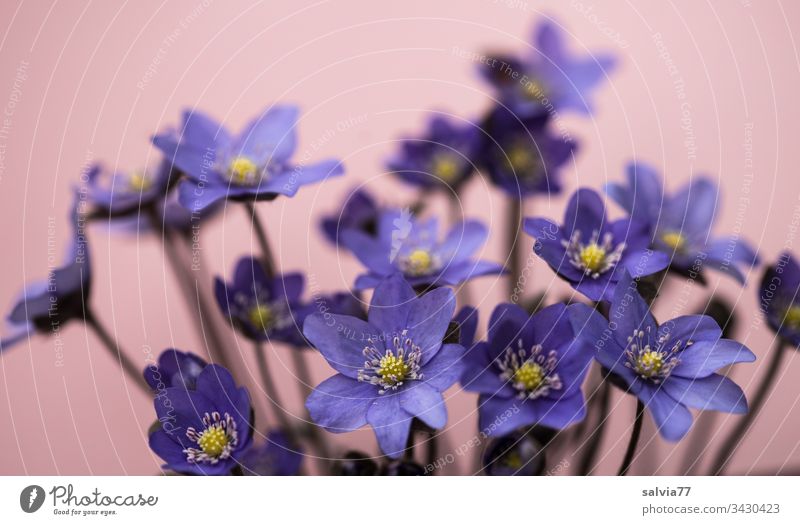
x=714, y=392
x=425, y=403
x=391, y=424
x=341, y=340
x=340, y=403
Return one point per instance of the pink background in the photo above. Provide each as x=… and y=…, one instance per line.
x=365, y=73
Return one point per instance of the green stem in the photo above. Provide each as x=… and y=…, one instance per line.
x=278, y=407
x=111, y=344
x=513, y=243
x=596, y=439
x=267, y=258
x=634, y=442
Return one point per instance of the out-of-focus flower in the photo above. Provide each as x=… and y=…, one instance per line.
x=548, y=79
x=174, y=368
x=589, y=251
x=403, y=468
x=117, y=194
x=407, y=245
x=355, y=463
x=467, y=321
x=391, y=369
x=680, y=224
x=205, y=430
x=45, y=306
x=360, y=213
x=669, y=367
x=277, y=456
x=442, y=158
x=517, y=454
x=779, y=297
x=255, y=165
x=522, y=156
x=261, y=307
x=528, y=372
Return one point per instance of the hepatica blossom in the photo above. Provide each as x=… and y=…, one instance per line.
x=277, y=456
x=589, y=251
x=360, y=213
x=549, y=78
x=174, y=368
x=118, y=194
x=670, y=367
x=779, y=297
x=391, y=368
x=255, y=165
x=205, y=430
x=529, y=371
x=680, y=224
x=442, y=158
x=410, y=246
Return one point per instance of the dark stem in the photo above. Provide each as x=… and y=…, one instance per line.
x=596, y=439
x=128, y=366
x=728, y=449
x=634, y=442
x=464, y=297
x=272, y=393
x=261, y=235
x=433, y=449
x=304, y=383
x=513, y=243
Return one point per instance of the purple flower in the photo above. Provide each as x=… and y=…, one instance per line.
x=467, y=321
x=275, y=457
x=391, y=368
x=680, y=224
x=549, y=79
x=407, y=245
x=174, y=368
x=528, y=372
x=116, y=194
x=442, y=158
x=779, y=298
x=360, y=212
x=589, y=251
x=263, y=308
x=255, y=165
x=669, y=367
x=206, y=430
x=522, y=156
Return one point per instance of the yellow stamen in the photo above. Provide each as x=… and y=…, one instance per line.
x=139, y=182
x=393, y=369
x=674, y=240
x=593, y=256
x=445, y=167
x=261, y=317
x=242, y=170
x=213, y=441
x=650, y=363
x=419, y=262
x=530, y=375
x=791, y=318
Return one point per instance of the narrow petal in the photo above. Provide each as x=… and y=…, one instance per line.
x=714, y=392
x=391, y=305
x=428, y=320
x=424, y=402
x=340, y=403
x=446, y=367
x=341, y=340
x=672, y=419
x=463, y=240
x=391, y=424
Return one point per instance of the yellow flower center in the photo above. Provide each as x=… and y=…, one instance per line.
x=649, y=363
x=791, y=318
x=419, y=262
x=213, y=441
x=534, y=90
x=261, y=317
x=674, y=240
x=139, y=182
x=530, y=375
x=243, y=171
x=445, y=167
x=520, y=158
x=392, y=369
x=593, y=256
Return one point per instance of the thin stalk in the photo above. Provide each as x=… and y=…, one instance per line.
x=432, y=450
x=267, y=259
x=634, y=442
x=304, y=384
x=278, y=407
x=512, y=243
x=596, y=439
x=463, y=293
x=111, y=344
x=735, y=437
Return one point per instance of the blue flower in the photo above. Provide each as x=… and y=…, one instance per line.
x=522, y=156
x=529, y=371
x=116, y=194
x=260, y=307
x=277, y=456
x=680, y=224
x=255, y=165
x=411, y=247
x=549, y=79
x=360, y=212
x=589, y=251
x=467, y=321
x=442, y=158
x=174, y=368
x=669, y=367
x=206, y=430
x=779, y=297
x=391, y=368
x=46, y=306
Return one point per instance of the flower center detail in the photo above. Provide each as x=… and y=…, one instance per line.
x=396, y=365
x=791, y=319
x=243, y=171
x=139, y=182
x=262, y=317
x=445, y=167
x=534, y=90
x=531, y=372
x=216, y=441
x=650, y=363
x=593, y=258
x=674, y=240
x=418, y=262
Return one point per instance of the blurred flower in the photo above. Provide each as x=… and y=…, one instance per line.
x=360, y=212
x=467, y=321
x=779, y=297
x=355, y=463
x=521, y=155
x=403, y=468
x=549, y=79
x=442, y=158
x=680, y=224
x=45, y=306
x=255, y=165
x=275, y=457
x=391, y=369
x=528, y=372
x=174, y=368
x=518, y=454
x=261, y=307
x=670, y=367
x=589, y=251
x=409, y=246
x=116, y=194
x=206, y=430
